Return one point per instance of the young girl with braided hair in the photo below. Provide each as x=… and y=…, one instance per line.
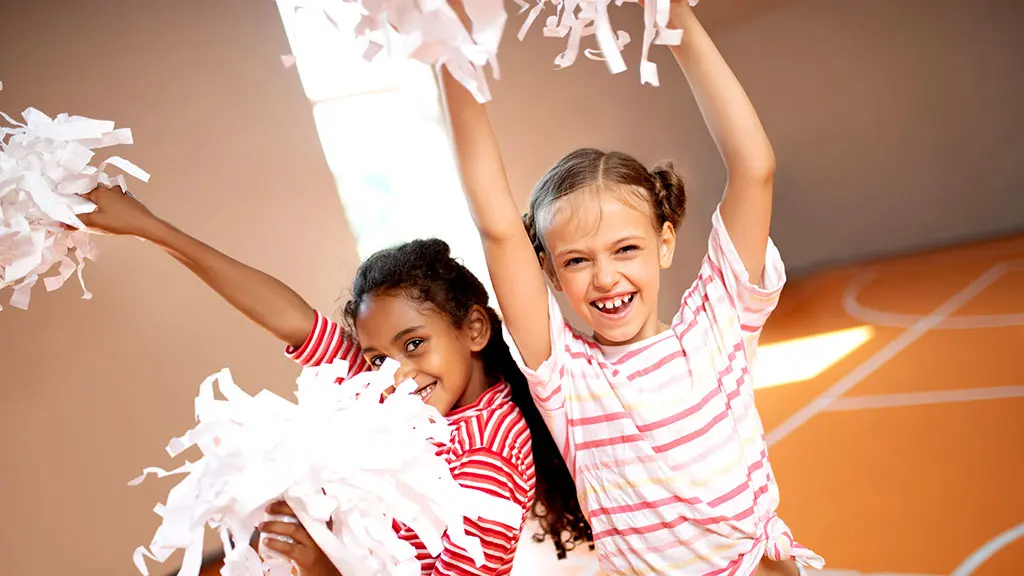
x=416, y=304
x=656, y=421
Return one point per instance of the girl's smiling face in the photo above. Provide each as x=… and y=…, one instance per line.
x=606, y=255
x=441, y=358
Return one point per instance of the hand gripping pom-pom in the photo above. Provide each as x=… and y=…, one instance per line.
x=338, y=454
x=44, y=169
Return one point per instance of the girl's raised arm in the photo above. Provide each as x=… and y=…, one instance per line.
x=259, y=296
x=515, y=272
x=746, y=207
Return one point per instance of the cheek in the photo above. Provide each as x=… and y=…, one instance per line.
x=645, y=272
x=574, y=284
x=642, y=272
x=449, y=361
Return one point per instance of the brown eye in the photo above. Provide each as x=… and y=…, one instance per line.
x=413, y=344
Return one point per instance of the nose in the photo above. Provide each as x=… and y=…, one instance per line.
x=405, y=372
x=605, y=275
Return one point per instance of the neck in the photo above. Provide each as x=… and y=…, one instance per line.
x=478, y=384
x=651, y=327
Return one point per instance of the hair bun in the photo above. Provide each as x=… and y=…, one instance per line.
x=531, y=230
x=670, y=193
x=430, y=248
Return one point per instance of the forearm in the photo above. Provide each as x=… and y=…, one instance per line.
x=515, y=274
x=480, y=164
x=727, y=110
x=259, y=296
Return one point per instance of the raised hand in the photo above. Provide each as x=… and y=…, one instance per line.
x=118, y=213
x=302, y=550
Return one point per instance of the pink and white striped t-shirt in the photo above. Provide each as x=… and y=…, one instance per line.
x=662, y=436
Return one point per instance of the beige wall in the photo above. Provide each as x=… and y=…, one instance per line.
x=92, y=391
x=896, y=125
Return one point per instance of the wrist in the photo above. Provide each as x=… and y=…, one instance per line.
x=157, y=231
x=681, y=16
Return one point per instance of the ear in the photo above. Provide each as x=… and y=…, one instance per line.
x=666, y=245
x=549, y=270
x=478, y=328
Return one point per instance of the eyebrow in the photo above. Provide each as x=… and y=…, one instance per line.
x=630, y=238
x=406, y=332
x=399, y=336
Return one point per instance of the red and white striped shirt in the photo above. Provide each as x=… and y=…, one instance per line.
x=489, y=451
x=662, y=436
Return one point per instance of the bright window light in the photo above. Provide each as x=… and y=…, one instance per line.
x=804, y=358
x=384, y=136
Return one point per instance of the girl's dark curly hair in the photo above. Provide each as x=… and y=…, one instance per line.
x=425, y=272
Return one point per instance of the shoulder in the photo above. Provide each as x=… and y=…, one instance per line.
x=499, y=428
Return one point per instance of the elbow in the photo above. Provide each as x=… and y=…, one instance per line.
x=759, y=170
x=764, y=168
x=299, y=328
x=764, y=173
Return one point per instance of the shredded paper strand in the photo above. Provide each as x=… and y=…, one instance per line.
x=430, y=31
x=338, y=454
x=44, y=169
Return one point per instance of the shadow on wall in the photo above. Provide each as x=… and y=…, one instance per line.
x=726, y=15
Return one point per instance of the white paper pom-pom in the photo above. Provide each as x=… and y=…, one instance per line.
x=428, y=31
x=44, y=168
x=431, y=32
x=337, y=454
x=577, y=19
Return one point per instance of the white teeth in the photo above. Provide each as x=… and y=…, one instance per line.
x=614, y=302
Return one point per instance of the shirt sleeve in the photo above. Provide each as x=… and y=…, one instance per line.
x=328, y=341
x=550, y=382
x=723, y=291
x=493, y=474
x=547, y=380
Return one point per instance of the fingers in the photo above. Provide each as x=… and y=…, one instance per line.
x=102, y=189
x=280, y=507
x=301, y=555
x=292, y=530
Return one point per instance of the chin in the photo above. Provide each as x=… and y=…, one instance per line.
x=618, y=335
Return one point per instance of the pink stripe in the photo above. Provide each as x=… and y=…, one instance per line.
x=613, y=441
x=650, y=427
x=545, y=399
x=673, y=523
x=647, y=505
x=729, y=495
x=675, y=355
x=599, y=419
x=674, y=544
x=677, y=466
x=634, y=353
x=693, y=435
x=721, y=278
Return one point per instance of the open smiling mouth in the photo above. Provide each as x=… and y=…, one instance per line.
x=615, y=307
x=426, y=391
